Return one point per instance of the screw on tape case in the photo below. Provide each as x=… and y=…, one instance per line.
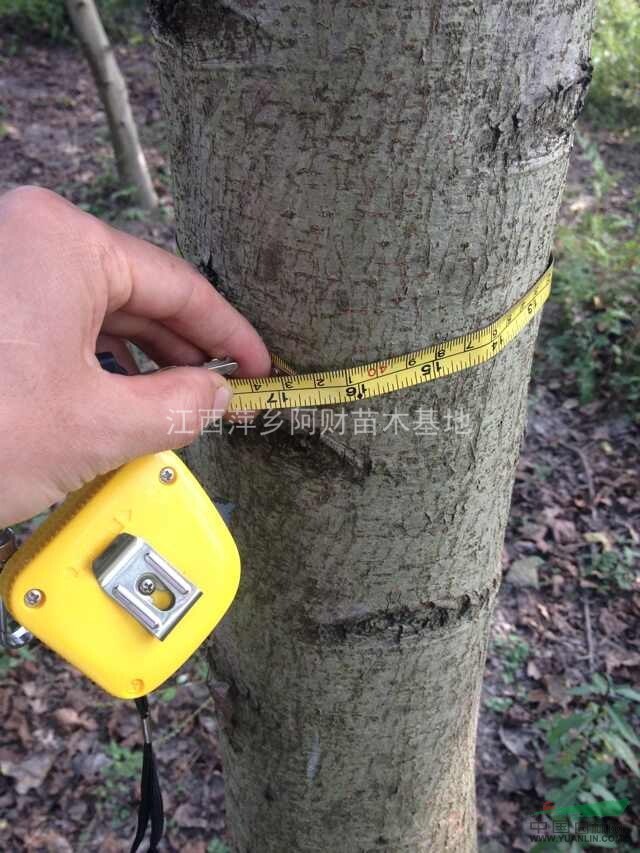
x=128, y=576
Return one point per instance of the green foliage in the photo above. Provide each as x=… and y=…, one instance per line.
x=594, y=338
x=217, y=846
x=105, y=198
x=168, y=694
x=597, y=272
x=596, y=294
x=592, y=754
x=36, y=18
x=614, y=570
x=119, y=775
x=123, y=767
x=513, y=652
x=11, y=660
x=614, y=98
x=498, y=704
x=46, y=20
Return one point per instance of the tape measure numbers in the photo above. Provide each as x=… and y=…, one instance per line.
x=361, y=382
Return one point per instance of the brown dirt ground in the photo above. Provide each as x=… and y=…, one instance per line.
x=67, y=779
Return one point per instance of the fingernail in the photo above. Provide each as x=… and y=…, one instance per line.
x=222, y=398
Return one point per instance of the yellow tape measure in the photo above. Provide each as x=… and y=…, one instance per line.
x=363, y=381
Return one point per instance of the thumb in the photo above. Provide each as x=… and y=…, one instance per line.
x=146, y=413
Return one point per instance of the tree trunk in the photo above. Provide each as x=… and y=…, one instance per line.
x=130, y=159
x=364, y=179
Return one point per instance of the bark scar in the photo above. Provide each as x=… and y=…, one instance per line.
x=403, y=622
x=554, y=113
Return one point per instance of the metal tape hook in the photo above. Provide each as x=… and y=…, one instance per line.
x=12, y=636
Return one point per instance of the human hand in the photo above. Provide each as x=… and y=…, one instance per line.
x=72, y=286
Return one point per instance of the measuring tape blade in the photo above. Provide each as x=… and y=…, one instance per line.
x=360, y=382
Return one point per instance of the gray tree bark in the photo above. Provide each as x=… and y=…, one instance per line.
x=363, y=179
x=130, y=159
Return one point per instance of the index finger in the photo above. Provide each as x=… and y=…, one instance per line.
x=166, y=288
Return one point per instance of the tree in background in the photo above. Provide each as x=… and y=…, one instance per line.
x=362, y=180
x=112, y=88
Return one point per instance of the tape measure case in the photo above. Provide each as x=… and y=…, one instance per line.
x=128, y=576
